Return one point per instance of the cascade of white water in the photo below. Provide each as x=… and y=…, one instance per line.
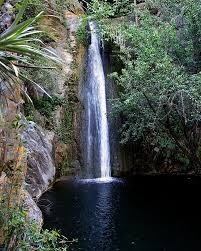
x=97, y=126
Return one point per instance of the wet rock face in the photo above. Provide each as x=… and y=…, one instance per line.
x=41, y=166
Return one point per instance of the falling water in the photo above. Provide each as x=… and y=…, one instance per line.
x=97, y=138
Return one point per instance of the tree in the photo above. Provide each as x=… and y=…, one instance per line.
x=159, y=84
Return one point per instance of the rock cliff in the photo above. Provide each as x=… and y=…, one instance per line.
x=34, y=147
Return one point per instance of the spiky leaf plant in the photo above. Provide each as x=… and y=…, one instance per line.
x=19, y=48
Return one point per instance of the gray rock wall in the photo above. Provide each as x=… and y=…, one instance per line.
x=41, y=167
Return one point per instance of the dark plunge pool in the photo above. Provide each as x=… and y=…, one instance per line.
x=143, y=214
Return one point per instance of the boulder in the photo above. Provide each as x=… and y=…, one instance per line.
x=40, y=160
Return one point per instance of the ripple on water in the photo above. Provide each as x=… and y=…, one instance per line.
x=101, y=180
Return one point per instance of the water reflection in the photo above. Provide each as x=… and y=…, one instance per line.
x=140, y=215
x=105, y=217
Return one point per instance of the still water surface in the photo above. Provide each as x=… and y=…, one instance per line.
x=144, y=214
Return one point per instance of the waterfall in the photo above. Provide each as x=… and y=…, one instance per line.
x=97, y=136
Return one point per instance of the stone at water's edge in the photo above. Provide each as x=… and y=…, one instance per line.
x=30, y=206
x=41, y=166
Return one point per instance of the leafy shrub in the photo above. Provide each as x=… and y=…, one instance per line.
x=33, y=8
x=81, y=33
x=24, y=234
x=160, y=84
x=47, y=105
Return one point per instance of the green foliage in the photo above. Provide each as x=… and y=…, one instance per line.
x=101, y=9
x=1, y=2
x=56, y=8
x=81, y=33
x=65, y=129
x=160, y=83
x=46, y=105
x=19, y=48
x=27, y=235
x=186, y=16
x=33, y=8
x=41, y=111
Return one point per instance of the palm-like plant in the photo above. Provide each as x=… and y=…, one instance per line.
x=19, y=47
